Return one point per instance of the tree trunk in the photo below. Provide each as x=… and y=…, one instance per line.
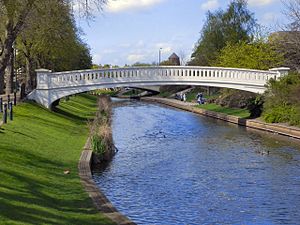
x=7, y=49
x=10, y=75
x=30, y=75
x=1, y=83
x=12, y=28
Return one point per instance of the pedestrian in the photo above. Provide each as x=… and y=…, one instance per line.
x=181, y=96
x=184, y=97
x=199, y=98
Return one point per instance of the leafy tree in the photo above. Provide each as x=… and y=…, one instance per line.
x=50, y=40
x=256, y=55
x=166, y=63
x=139, y=64
x=14, y=16
x=211, y=40
x=236, y=24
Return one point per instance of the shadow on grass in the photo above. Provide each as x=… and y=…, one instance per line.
x=16, y=132
x=59, y=112
x=67, y=115
x=33, y=187
x=35, y=191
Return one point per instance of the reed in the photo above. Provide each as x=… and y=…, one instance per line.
x=100, y=130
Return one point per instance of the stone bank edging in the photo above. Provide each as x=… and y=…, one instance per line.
x=251, y=123
x=99, y=199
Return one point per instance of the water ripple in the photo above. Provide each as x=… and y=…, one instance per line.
x=174, y=167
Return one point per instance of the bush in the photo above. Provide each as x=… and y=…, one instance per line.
x=255, y=106
x=282, y=101
x=279, y=114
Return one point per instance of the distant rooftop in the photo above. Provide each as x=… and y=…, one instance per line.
x=174, y=56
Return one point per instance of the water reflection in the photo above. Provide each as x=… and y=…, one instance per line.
x=175, y=167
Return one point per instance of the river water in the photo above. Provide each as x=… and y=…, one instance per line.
x=175, y=167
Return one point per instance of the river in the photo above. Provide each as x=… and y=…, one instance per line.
x=175, y=167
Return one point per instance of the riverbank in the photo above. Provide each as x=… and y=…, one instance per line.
x=251, y=123
x=38, y=165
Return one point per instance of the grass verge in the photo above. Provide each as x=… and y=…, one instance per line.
x=242, y=113
x=35, y=149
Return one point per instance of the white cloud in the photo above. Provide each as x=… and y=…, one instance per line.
x=108, y=51
x=210, y=5
x=124, y=5
x=165, y=47
x=97, y=58
x=133, y=58
x=269, y=18
x=260, y=2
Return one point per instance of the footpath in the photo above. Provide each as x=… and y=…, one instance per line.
x=281, y=129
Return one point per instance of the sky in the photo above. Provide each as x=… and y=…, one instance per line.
x=130, y=31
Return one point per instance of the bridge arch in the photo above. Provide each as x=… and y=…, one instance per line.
x=54, y=86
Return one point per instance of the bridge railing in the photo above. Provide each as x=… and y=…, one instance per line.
x=48, y=80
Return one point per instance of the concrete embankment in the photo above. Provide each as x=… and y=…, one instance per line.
x=100, y=127
x=99, y=199
x=251, y=123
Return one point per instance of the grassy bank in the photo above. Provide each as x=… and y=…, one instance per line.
x=242, y=113
x=36, y=149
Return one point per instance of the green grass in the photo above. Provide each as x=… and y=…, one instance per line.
x=133, y=92
x=191, y=96
x=164, y=94
x=35, y=149
x=104, y=92
x=242, y=113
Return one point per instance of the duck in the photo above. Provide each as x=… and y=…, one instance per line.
x=262, y=152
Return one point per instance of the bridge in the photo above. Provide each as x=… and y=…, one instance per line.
x=54, y=86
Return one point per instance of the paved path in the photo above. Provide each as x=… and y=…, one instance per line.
x=176, y=101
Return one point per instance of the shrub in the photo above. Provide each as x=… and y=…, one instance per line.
x=282, y=101
x=255, y=106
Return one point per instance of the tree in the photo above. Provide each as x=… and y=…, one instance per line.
x=287, y=41
x=236, y=24
x=139, y=64
x=166, y=63
x=256, y=55
x=182, y=56
x=14, y=16
x=50, y=40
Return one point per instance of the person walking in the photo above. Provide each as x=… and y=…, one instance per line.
x=184, y=97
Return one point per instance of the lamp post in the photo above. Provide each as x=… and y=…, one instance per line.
x=15, y=69
x=159, y=55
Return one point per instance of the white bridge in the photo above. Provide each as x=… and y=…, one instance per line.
x=54, y=86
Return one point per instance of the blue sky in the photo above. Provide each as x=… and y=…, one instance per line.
x=130, y=31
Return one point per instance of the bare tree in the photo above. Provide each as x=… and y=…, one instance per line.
x=182, y=56
x=287, y=41
x=292, y=11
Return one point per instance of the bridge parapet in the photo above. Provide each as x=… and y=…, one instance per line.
x=53, y=86
x=48, y=80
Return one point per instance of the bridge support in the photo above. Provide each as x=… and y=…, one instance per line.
x=41, y=95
